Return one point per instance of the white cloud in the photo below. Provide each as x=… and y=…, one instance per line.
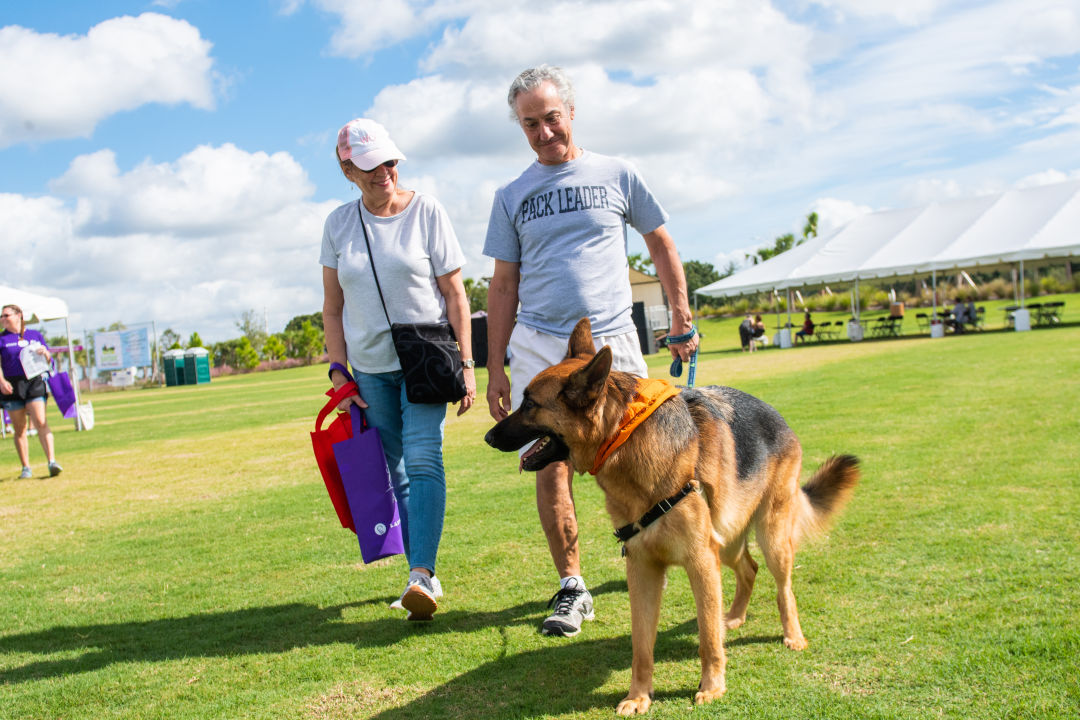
x=834, y=213
x=65, y=85
x=369, y=25
x=207, y=190
x=910, y=12
x=735, y=111
x=190, y=244
x=1047, y=177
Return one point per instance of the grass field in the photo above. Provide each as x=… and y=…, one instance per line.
x=188, y=564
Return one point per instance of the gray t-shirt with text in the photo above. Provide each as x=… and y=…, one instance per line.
x=566, y=226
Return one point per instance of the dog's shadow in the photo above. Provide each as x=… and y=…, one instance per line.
x=566, y=672
x=563, y=677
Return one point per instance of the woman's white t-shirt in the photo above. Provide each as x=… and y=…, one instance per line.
x=410, y=250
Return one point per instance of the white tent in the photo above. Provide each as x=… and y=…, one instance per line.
x=36, y=308
x=994, y=230
x=39, y=308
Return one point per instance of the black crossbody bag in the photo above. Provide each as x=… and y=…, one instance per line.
x=429, y=353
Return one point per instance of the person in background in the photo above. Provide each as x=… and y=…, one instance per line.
x=24, y=398
x=959, y=315
x=807, y=328
x=557, y=234
x=758, y=335
x=418, y=260
x=972, y=315
x=746, y=333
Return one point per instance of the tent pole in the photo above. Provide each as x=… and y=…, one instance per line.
x=89, y=375
x=1022, y=293
x=71, y=363
x=157, y=352
x=933, y=285
x=856, y=299
x=789, y=308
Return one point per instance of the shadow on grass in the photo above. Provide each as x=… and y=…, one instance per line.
x=561, y=677
x=272, y=629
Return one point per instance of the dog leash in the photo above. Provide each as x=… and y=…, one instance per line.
x=676, y=364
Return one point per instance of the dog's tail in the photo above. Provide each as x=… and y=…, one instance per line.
x=826, y=493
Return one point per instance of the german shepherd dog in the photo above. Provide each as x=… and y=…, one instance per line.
x=738, y=464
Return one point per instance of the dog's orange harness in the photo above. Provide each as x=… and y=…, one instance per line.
x=649, y=395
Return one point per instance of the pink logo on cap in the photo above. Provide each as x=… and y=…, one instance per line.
x=366, y=141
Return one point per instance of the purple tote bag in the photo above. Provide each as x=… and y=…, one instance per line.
x=63, y=393
x=366, y=479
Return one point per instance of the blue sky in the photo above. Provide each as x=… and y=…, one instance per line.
x=172, y=161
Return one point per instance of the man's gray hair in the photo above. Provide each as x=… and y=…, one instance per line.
x=532, y=78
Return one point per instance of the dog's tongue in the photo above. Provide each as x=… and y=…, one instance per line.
x=528, y=453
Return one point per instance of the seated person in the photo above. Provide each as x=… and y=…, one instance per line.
x=972, y=318
x=807, y=329
x=759, y=336
x=959, y=316
x=746, y=333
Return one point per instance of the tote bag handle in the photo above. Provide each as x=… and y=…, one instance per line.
x=336, y=396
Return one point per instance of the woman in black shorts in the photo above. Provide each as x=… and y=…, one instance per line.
x=22, y=397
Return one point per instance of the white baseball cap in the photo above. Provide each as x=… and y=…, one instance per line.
x=367, y=144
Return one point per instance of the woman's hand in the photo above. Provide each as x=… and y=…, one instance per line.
x=5, y=387
x=470, y=391
x=339, y=380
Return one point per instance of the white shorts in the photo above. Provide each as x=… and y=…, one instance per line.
x=532, y=351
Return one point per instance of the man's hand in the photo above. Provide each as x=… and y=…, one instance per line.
x=498, y=393
x=684, y=350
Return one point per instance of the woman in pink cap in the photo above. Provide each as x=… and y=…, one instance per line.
x=418, y=260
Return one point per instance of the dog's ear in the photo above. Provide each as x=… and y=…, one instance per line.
x=584, y=386
x=581, y=342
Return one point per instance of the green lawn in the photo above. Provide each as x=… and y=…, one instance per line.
x=188, y=564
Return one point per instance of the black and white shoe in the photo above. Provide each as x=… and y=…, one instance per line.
x=573, y=605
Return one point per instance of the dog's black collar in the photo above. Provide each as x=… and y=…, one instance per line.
x=655, y=513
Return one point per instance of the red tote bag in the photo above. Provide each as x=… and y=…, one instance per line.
x=323, y=443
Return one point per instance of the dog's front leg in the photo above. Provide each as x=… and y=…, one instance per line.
x=703, y=569
x=645, y=580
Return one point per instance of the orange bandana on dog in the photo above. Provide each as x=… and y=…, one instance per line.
x=649, y=395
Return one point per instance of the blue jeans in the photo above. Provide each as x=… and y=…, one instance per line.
x=412, y=438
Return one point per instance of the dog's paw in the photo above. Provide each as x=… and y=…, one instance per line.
x=798, y=643
x=705, y=696
x=634, y=705
x=734, y=622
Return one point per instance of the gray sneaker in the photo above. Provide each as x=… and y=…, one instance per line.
x=26, y=473
x=573, y=604
x=437, y=591
x=419, y=598
x=55, y=469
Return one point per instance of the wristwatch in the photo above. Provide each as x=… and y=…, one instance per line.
x=468, y=364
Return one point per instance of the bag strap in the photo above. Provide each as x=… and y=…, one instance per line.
x=336, y=396
x=371, y=259
x=359, y=419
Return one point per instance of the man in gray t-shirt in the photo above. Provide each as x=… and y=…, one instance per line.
x=558, y=237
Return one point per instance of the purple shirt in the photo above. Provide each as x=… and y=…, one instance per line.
x=10, y=347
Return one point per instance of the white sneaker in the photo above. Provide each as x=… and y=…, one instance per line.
x=436, y=587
